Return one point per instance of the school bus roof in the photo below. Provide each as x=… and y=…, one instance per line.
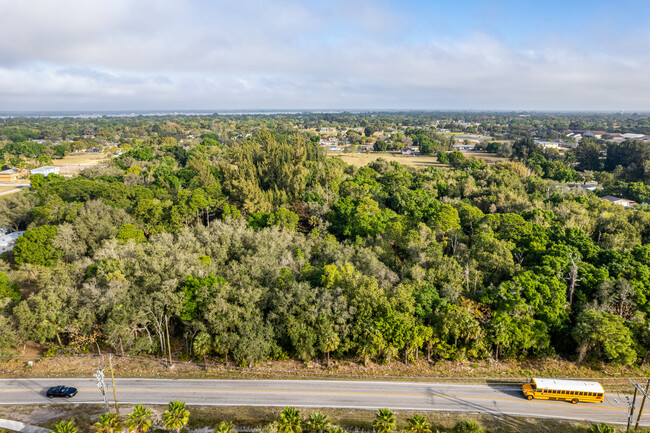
x=568, y=385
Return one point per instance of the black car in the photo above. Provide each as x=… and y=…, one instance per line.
x=61, y=391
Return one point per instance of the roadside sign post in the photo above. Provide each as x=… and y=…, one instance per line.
x=99, y=375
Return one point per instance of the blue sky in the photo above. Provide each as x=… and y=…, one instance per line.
x=356, y=54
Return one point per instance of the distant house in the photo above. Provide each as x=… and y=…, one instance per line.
x=631, y=136
x=619, y=201
x=464, y=147
x=548, y=144
x=8, y=241
x=12, y=175
x=589, y=186
x=335, y=148
x=330, y=142
x=45, y=171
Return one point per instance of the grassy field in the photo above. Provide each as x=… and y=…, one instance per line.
x=73, y=164
x=363, y=159
x=5, y=188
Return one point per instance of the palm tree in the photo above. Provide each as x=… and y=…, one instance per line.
x=108, y=423
x=318, y=422
x=176, y=416
x=225, y=427
x=65, y=427
x=289, y=421
x=139, y=421
x=384, y=421
x=202, y=346
x=418, y=424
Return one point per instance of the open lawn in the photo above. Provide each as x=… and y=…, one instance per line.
x=5, y=188
x=73, y=164
x=363, y=159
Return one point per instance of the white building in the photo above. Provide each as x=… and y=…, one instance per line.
x=8, y=241
x=631, y=136
x=48, y=169
x=619, y=201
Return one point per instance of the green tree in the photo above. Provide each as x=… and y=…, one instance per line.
x=329, y=339
x=175, y=417
x=380, y=146
x=384, y=421
x=8, y=290
x=139, y=420
x=284, y=219
x=65, y=427
x=290, y=421
x=202, y=346
x=418, y=424
x=108, y=423
x=600, y=332
x=35, y=246
x=129, y=231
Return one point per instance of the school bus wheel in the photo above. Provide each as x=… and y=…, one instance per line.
x=575, y=401
x=529, y=397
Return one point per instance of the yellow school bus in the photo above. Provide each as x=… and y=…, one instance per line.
x=574, y=391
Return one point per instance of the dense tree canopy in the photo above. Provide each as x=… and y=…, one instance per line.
x=258, y=246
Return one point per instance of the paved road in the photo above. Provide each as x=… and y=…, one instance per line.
x=499, y=400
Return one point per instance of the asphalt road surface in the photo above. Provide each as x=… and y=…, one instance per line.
x=496, y=400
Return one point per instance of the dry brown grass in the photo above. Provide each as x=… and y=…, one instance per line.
x=73, y=164
x=363, y=159
x=480, y=372
x=85, y=158
x=5, y=188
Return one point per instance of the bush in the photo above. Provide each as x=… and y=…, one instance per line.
x=443, y=157
x=468, y=426
x=601, y=428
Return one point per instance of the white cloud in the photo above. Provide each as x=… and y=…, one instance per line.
x=131, y=54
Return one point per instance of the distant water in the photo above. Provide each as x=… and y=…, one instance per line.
x=149, y=113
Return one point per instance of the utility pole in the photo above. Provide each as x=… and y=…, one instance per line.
x=631, y=414
x=110, y=363
x=99, y=375
x=645, y=396
x=169, y=347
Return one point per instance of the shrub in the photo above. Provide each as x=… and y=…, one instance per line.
x=468, y=426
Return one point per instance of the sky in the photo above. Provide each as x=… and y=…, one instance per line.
x=324, y=55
